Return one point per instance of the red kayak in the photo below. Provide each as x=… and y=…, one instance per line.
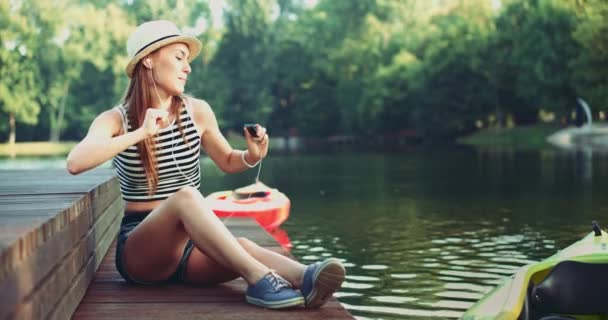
x=269, y=207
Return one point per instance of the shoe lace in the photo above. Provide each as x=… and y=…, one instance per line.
x=276, y=281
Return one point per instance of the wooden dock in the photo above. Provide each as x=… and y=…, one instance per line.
x=57, y=242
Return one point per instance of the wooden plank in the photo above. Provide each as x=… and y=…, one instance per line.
x=32, y=269
x=75, y=266
x=199, y=310
x=71, y=299
x=19, y=239
x=104, y=195
x=119, y=291
x=262, y=240
x=110, y=297
x=20, y=243
x=54, y=181
x=11, y=203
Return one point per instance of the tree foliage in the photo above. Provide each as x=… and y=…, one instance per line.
x=442, y=68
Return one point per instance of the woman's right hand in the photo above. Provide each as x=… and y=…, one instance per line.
x=154, y=120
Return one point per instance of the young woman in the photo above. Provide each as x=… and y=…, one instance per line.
x=168, y=232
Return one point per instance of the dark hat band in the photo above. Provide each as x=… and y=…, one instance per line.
x=155, y=41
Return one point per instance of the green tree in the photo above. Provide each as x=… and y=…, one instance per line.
x=18, y=89
x=243, y=63
x=70, y=36
x=450, y=88
x=534, y=45
x=395, y=32
x=338, y=67
x=591, y=64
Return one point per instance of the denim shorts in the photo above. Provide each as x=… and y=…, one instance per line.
x=128, y=223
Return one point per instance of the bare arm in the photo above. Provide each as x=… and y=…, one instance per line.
x=102, y=142
x=219, y=150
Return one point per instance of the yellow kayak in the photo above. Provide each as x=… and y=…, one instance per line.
x=572, y=284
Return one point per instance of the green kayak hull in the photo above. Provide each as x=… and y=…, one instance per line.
x=506, y=301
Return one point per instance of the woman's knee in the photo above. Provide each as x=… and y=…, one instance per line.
x=189, y=200
x=247, y=244
x=188, y=193
x=188, y=197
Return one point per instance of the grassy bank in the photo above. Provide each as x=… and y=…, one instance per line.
x=36, y=149
x=528, y=137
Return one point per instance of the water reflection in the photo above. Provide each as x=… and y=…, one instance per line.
x=426, y=238
x=585, y=164
x=441, y=281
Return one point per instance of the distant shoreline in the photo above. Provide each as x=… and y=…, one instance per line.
x=36, y=148
x=527, y=137
x=534, y=136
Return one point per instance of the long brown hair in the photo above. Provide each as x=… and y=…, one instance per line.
x=137, y=100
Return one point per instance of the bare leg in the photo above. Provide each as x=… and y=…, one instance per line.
x=291, y=270
x=155, y=246
x=202, y=269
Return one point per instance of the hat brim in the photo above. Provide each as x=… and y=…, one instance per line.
x=193, y=44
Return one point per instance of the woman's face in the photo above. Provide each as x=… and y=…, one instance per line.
x=170, y=68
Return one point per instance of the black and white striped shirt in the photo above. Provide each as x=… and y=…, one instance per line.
x=177, y=162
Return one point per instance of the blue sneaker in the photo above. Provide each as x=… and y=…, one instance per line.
x=274, y=292
x=321, y=280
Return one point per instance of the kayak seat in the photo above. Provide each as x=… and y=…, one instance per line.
x=572, y=288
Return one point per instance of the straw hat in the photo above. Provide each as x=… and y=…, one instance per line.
x=152, y=35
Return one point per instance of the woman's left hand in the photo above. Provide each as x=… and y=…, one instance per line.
x=256, y=147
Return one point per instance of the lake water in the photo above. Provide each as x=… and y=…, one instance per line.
x=424, y=234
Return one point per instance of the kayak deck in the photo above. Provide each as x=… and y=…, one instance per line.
x=509, y=300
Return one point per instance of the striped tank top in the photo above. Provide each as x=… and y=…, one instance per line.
x=177, y=162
